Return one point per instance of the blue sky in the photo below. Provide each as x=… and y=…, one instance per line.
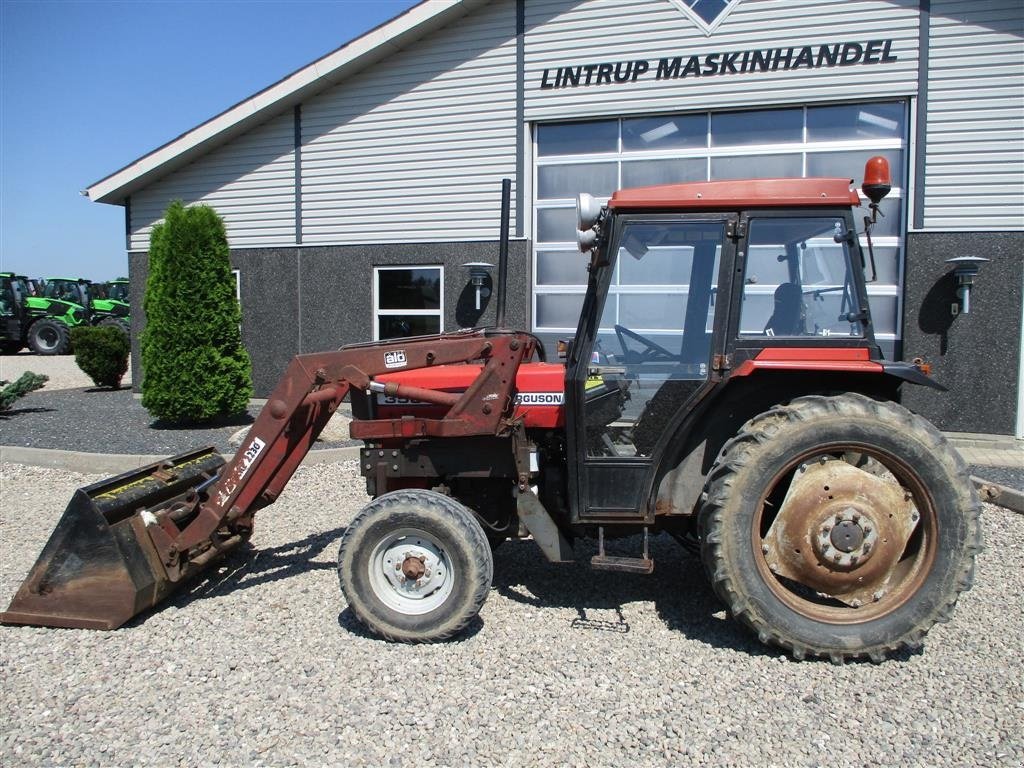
x=87, y=87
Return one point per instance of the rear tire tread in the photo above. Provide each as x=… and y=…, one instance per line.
x=63, y=345
x=736, y=454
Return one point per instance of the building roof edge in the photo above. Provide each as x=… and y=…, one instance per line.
x=327, y=70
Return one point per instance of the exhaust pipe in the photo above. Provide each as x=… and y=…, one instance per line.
x=506, y=205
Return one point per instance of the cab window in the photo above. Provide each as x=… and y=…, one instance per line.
x=798, y=279
x=653, y=344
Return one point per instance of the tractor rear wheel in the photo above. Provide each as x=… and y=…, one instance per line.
x=49, y=337
x=415, y=566
x=10, y=347
x=114, y=322
x=840, y=527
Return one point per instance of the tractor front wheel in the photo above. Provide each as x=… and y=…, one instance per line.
x=840, y=527
x=415, y=566
x=49, y=337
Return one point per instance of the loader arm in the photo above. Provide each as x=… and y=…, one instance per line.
x=305, y=399
x=126, y=543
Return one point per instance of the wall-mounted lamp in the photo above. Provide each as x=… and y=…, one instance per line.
x=966, y=268
x=479, y=271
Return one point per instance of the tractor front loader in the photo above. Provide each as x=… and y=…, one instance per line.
x=123, y=544
x=723, y=386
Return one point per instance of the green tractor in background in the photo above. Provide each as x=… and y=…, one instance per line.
x=43, y=322
x=108, y=303
x=99, y=308
x=41, y=314
x=117, y=289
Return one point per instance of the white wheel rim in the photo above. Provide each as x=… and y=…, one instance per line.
x=410, y=550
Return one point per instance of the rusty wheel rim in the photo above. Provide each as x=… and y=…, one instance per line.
x=841, y=563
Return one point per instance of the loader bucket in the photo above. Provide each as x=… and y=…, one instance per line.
x=99, y=568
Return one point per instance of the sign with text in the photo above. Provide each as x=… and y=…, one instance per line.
x=725, y=63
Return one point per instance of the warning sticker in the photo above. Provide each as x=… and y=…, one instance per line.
x=250, y=455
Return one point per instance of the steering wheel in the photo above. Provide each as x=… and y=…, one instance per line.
x=652, y=353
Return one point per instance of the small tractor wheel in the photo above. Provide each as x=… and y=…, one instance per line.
x=415, y=566
x=49, y=337
x=115, y=322
x=840, y=527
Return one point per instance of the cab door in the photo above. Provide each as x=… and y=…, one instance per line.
x=651, y=326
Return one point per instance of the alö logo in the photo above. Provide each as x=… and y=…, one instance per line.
x=395, y=359
x=706, y=14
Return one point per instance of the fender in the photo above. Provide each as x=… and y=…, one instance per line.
x=849, y=360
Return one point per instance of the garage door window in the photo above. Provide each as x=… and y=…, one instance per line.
x=599, y=157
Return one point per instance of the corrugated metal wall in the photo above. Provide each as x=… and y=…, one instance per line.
x=415, y=148
x=250, y=181
x=569, y=32
x=974, y=165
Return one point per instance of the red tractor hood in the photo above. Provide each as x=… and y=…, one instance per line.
x=539, y=392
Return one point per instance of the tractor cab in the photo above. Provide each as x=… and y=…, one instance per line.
x=687, y=283
x=117, y=290
x=71, y=290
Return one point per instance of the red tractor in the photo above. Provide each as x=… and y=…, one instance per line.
x=723, y=386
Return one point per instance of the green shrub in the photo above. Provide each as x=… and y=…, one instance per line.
x=102, y=353
x=194, y=367
x=24, y=384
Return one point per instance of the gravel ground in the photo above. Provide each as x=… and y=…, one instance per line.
x=64, y=373
x=262, y=664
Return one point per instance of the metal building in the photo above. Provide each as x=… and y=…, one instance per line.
x=357, y=188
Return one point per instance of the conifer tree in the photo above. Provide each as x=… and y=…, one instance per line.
x=194, y=367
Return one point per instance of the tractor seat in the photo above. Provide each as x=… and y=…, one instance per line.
x=789, y=314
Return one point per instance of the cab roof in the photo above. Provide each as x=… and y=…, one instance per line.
x=744, y=193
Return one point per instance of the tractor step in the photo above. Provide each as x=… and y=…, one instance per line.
x=626, y=564
x=603, y=562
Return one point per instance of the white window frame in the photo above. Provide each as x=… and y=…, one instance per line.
x=378, y=312
x=707, y=153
